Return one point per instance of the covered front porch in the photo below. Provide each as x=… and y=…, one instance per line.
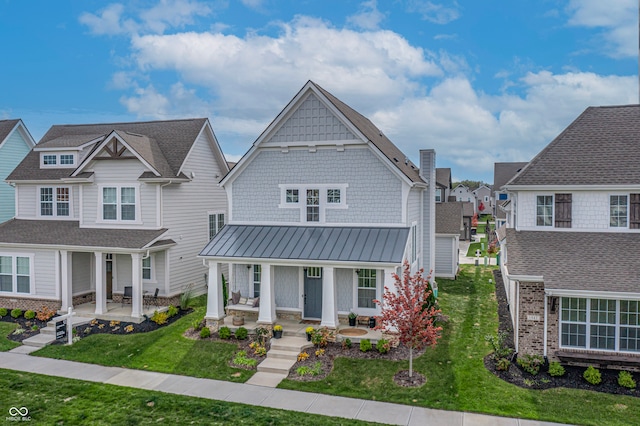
x=301, y=273
x=117, y=312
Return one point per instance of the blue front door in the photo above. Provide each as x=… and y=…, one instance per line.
x=313, y=292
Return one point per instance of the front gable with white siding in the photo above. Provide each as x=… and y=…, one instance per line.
x=323, y=168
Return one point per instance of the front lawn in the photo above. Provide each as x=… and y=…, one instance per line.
x=57, y=401
x=471, y=252
x=5, y=329
x=165, y=350
x=456, y=376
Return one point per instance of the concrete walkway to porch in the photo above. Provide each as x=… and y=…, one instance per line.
x=334, y=406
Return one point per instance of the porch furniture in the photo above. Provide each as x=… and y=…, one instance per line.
x=150, y=299
x=128, y=295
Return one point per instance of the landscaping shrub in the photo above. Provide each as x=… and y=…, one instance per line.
x=45, y=314
x=531, y=363
x=258, y=348
x=365, y=345
x=242, y=359
x=319, y=352
x=186, y=296
x=556, y=369
x=311, y=371
x=626, y=380
x=383, y=346
x=29, y=315
x=346, y=343
x=3, y=312
x=241, y=333
x=205, y=332
x=592, y=375
x=503, y=364
x=321, y=336
x=172, y=311
x=16, y=313
x=159, y=318
x=224, y=333
x=197, y=324
x=500, y=349
x=302, y=356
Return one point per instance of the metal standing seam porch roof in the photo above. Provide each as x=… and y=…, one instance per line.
x=339, y=244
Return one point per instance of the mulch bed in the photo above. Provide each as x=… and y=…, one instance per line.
x=26, y=325
x=573, y=377
x=334, y=350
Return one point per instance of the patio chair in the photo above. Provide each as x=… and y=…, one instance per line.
x=152, y=299
x=128, y=295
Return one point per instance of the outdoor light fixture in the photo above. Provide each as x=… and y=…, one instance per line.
x=357, y=271
x=248, y=266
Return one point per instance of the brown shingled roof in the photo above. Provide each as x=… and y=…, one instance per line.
x=69, y=233
x=577, y=260
x=6, y=126
x=601, y=147
x=448, y=218
x=165, y=145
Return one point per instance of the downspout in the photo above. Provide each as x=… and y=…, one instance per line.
x=517, y=331
x=544, y=333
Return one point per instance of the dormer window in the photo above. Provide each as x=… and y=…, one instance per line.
x=49, y=160
x=66, y=159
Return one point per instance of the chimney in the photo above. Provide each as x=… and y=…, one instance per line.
x=428, y=213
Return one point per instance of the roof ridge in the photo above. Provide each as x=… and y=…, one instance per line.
x=129, y=122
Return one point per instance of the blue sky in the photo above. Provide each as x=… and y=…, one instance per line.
x=479, y=81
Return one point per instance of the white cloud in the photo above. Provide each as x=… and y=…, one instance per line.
x=147, y=102
x=253, y=4
x=368, y=18
x=434, y=12
x=618, y=20
x=166, y=14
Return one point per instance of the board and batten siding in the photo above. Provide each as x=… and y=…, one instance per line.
x=345, y=282
x=12, y=152
x=122, y=173
x=185, y=210
x=373, y=194
x=81, y=272
x=287, y=288
x=446, y=257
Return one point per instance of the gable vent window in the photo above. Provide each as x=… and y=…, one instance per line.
x=563, y=211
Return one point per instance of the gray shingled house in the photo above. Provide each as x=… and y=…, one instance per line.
x=571, y=259
x=324, y=208
x=449, y=226
x=111, y=210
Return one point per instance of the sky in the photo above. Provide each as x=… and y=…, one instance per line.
x=479, y=81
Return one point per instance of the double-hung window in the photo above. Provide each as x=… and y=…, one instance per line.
x=54, y=201
x=146, y=268
x=119, y=203
x=216, y=223
x=257, y=275
x=438, y=195
x=618, y=211
x=313, y=205
x=544, y=210
x=367, y=288
x=15, y=274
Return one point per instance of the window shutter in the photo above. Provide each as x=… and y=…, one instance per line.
x=563, y=210
x=634, y=211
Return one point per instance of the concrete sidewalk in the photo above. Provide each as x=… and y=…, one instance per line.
x=334, y=406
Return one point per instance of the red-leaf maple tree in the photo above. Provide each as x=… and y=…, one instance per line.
x=409, y=312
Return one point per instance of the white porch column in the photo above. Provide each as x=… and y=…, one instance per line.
x=136, y=283
x=215, y=303
x=65, y=282
x=267, y=313
x=101, y=292
x=329, y=299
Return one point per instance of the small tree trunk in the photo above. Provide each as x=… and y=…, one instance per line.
x=410, y=362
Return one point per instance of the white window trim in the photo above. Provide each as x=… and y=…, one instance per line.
x=414, y=244
x=216, y=213
x=152, y=264
x=302, y=196
x=253, y=280
x=588, y=324
x=55, y=202
x=57, y=157
x=553, y=211
x=14, y=273
x=118, y=186
x=439, y=191
x=366, y=311
x=626, y=226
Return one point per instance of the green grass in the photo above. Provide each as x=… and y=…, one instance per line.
x=57, y=401
x=164, y=350
x=5, y=329
x=456, y=376
x=471, y=252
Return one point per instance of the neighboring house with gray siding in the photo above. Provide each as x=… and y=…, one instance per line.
x=15, y=143
x=570, y=259
x=449, y=226
x=104, y=207
x=503, y=173
x=443, y=184
x=323, y=210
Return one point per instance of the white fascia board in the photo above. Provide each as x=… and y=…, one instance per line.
x=298, y=262
x=106, y=140
x=592, y=294
x=240, y=165
x=217, y=151
x=523, y=278
x=118, y=250
x=556, y=188
x=25, y=134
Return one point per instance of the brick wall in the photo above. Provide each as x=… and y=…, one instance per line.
x=531, y=318
x=29, y=304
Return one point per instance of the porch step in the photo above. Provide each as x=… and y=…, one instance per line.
x=280, y=354
x=276, y=365
x=290, y=343
x=39, y=340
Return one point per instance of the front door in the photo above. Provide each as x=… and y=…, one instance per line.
x=108, y=267
x=313, y=292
